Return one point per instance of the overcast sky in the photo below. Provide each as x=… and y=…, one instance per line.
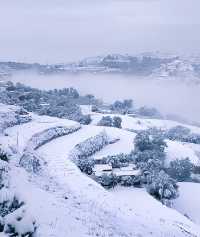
x=59, y=31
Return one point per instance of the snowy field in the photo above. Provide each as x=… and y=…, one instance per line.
x=180, y=150
x=188, y=201
x=21, y=134
x=136, y=123
x=61, y=194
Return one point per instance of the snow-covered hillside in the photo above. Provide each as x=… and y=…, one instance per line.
x=153, y=65
x=137, y=123
x=66, y=202
x=188, y=201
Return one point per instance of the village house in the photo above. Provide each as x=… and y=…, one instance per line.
x=101, y=169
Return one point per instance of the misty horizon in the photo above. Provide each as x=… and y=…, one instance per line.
x=65, y=31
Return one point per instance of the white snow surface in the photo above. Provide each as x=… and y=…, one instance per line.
x=136, y=123
x=117, y=217
x=10, y=116
x=188, y=201
x=180, y=150
x=20, y=135
x=66, y=202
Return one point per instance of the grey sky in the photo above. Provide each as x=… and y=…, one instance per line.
x=57, y=31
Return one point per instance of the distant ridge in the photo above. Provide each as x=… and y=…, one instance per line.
x=146, y=64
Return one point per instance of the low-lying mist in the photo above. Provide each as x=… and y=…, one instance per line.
x=169, y=96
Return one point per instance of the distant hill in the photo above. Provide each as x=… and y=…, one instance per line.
x=148, y=64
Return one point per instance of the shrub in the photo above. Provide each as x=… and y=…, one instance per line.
x=3, y=157
x=117, y=161
x=85, y=119
x=105, y=121
x=9, y=202
x=128, y=181
x=31, y=161
x=122, y=106
x=63, y=103
x=108, y=180
x=14, y=218
x=94, y=108
x=161, y=186
x=196, y=169
x=180, y=169
x=149, y=155
x=117, y=122
x=85, y=165
x=90, y=146
x=178, y=133
x=110, y=122
x=143, y=141
x=149, y=112
x=20, y=223
x=4, y=174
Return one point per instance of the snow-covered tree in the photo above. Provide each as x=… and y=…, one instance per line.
x=178, y=133
x=162, y=186
x=180, y=170
x=105, y=121
x=123, y=107
x=149, y=112
x=85, y=165
x=117, y=122
x=108, y=180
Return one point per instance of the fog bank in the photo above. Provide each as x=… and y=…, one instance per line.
x=169, y=96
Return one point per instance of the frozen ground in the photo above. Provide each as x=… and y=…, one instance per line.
x=188, y=201
x=66, y=202
x=136, y=123
x=21, y=134
x=181, y=150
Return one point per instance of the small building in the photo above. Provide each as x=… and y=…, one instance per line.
x=129, y=167
x=44, y=104
x=130, y=170
x=100, y=169
x=123, y=173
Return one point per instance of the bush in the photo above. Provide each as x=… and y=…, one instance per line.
x=110, y=122
x=183, y=134
x=94, y=108
x=178, y=133
x=149, y=155
x=196, y=169
x=149, y=112
x=117, y=122
x=122, y=106
x=9, y=202
x=180, y=170
x=105, y=121
x=143, y=141
x=108, y=180
x=90, y=146
x=31, y=161
x=82, y=152
x=161, y=186
x=20, y=223
x=117, y=161
x=85, y=119
x=128, y=181
x=3, y=157
x=14, y=218
x=85, y=165
x=4, y=174
x=63, y=103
